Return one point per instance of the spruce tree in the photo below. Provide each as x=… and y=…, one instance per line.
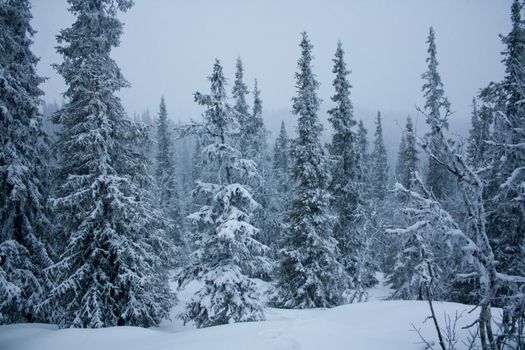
x=253, y=133
x=437, y=108
x=364, y=156
x=24, y=219
x=166, y=183
x=281, y=166
x=227, y=248
x=309, y=274
x=407, y=160
x=241, y=108
x=506, y=178
x=345, y=183
x=111, y=271
x=379, y=171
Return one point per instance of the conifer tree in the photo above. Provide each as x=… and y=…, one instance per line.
x=309, y=274
x=240, y=108
x=345, y=183
x=227, y=248
x=281, y=167
x=437, y=108
x=379, y=171
x=112, y=270
x=24, y=218
x=506, y=178
x=407, y=160
x=166, y=185
x=364, y=156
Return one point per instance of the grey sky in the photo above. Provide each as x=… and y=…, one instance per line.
x=169, y=46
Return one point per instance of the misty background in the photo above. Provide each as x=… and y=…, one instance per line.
x=168, y=48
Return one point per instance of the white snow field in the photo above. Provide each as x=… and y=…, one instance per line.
x=375, y=324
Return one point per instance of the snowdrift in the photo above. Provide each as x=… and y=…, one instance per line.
x=371, y=325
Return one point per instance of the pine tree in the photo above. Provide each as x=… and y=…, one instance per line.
x=407, y=160
x=345, y=182
x=437, y=108
x=24, y=218
x=166, y=184
x=227, y=249
x=309, y=274
x=112, y=270
x=379, y=171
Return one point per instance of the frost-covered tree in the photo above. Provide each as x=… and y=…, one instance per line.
x=436, y=109
x=227, y=248
x=281, y=164
x=407, y=159
x=309, y=274
x=363, y=150
x=478, y=136
x=507, y=154
x=256, y=149
x=379, y=166
x=345, y=184
x=111, y=271
x=420, y=268
x=166, y=183
x=241, y=108
x=505, y=196
x=24, y=219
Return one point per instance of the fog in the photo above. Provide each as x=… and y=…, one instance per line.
x=168, y=48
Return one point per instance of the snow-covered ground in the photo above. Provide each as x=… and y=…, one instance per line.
x=376, y=324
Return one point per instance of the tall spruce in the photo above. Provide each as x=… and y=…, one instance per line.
x=24, y=219
x=241, y=108
x=309, y=274
x=227, y=250
x=379, y=171
x=437, y=108
x=281, y=164
x=111, y=272
x=506, y=178
x=344, y=185
x=407, y=159
x=363, y=150
x=166, y=183
x=478, y=136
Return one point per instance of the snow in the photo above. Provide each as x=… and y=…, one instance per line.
x=372, y=325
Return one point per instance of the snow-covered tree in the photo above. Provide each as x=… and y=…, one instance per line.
x=112, y=269
x=227, y=248
x=364, y=156
x=241, y=108
x=507, y=154
x=281, y=166
x=345, y=184
x=379, y=166
x=478, y=136
x=166, y=184
x=505, y=192
x=419, y=270
x=24, y=218
x=437, y=109
x=309, y=274
x=407, y=159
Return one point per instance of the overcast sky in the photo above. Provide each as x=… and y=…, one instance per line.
x=169, y=46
